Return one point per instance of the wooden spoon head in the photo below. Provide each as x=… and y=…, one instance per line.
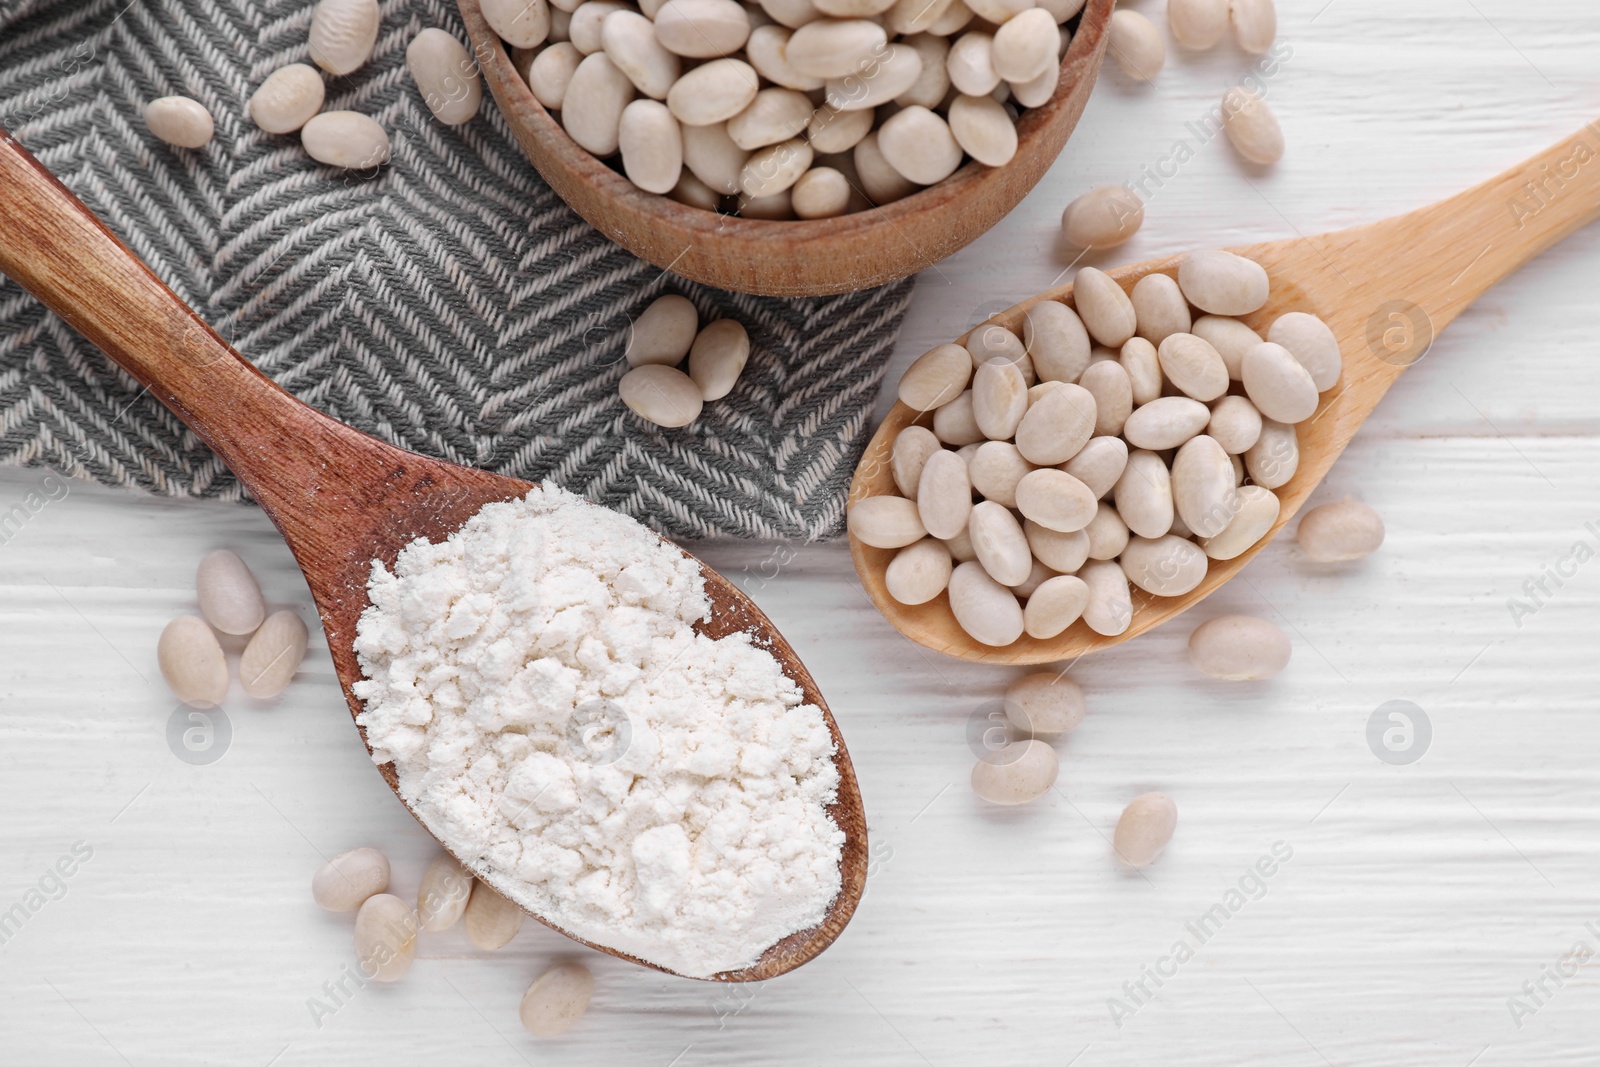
x=372, y=499
x=1302, y=279
x=812, y=258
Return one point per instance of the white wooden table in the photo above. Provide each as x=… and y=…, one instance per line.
x=1418, y=899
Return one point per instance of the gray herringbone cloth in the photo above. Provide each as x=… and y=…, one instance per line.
x=453, y=304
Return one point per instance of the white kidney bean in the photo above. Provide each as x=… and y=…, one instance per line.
x=933, y=80
x=880, y=181
x=1113, y=395
x=1001, y=546
x=938, y=376
x=1136, y=45
x=702, y=29
x=1025, y=589
x=998, y=11
x=1197, y=24
x=1193, y=366
x=663, y=332
x=711, y=156
x=1160, y=308
x=192, y=662
x=1057, y=427
x=919, y=572
x=1057, y=341
x=345, y=882
x=551, y=72
x=908, y=17
x=1144, y=828
x=970, y=64
x=1025, y=45
x=831, y=131
x=1103, y=217
x=1276, y=383
x=1056, y=500
x=592, y=108
x=955, y=424
x=1165, y=422
x=287, y=99
x=629, y=39
x=1143, y=367
x=1223, y=283
x=912, y=447
x=1037, y=93
x=651, y=145
x=1054, y=606
x=961, y=549
x=1105, y=309
x=1255, y=24
x=892, y=71
x=345, y=139
x=1062, y=10
x=791, y=13
x=1275, y=456
x=386, y=937
x=272, y=657
x=1239, y=648
x=343, y=32
x=179, y=121
x=993, y=341
x=774, y=115
x=587, y=28
x=717, y=358
x=832, y=48
x=1143, y=495
x=918, y=144
x=520, y=23
x=490, y=919
x=776, y=168
x=766, y=51
x=1170, y=565
x=981, y=125
x=713, y=92
x=560, y=21
x=1061, y=552
x=1099, y=464
x=1235, y=424
x=230, y=598
x=1107, y=533
x=1339, y=532
x=999, y=399
x=1109, y=610
x=1257, y=510
x=886, y=521
x=995, y=470
x=944, y=494
x=1251, y=126
x=442, y=894
x=1312, y=344
x=446, y=76
x=556, y=1000
x=663, y=395
x=985, y=609
x=1203, y=491
x=1017, y=773
x=1230, y=337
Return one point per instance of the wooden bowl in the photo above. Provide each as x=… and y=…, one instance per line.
x=812, y=258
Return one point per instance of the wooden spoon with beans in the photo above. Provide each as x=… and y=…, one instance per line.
x=340, y=498
x=1386, y=289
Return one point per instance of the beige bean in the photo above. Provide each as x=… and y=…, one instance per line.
x=776, y=168
x=1103, y=218
x=490, y=919
x=711, y=156
x=1251, y=126
x=1196, y=368
x=918, y=143
x=1062, y=10
x=933, y=81
x=791, y=13
x=1255, y=24
x=986, y=610
x=1339, y=532
x=1160, y=308
x=713, y=92
x=1166, y=422
x=1164, y=566
x=345, y=882
x=1197, y=24
x=179, y=121
x=1061, y=552
x=1312, y=344
x=442, y=894
x=230, y=598
x=995, y=470
x=908, y=17
x=1001, y=546
x=1056, y=500
x=192, y=662
x=944, y=494
x=993, y=341
x=1257, y=510
x=520, y=23
x=1136, y=45
x=1203, y=492
x=1025, y=45
x=970, y=64
x=342, y=34
x=1113, y=395
x=1056, y=341
x=1038, y=91
x=821, y=193
x=651, y=145
x=272, y=657
x=287, y=99
x=1275, y=456
x=832, y=131
x=1144, y=828
x=998, y=11
x=591, y=111
x=1054, y=606
x=663, y=332
x=832, y=48
x=961, y=549
x=551, y=72
x=956, y=424
x=1109, y=610
x=629, y=40
x=892, y=71
x=1235, y=424
x=1143, y=368
x=386, y=937
x=702, y=29
x=1143, y=495
x=919, y=572
x=1105, y=309
x=1276, y=383
x=1057, y=427
x=912, y=447
x=1230, y=337
x=717, y=358
x=981, y=126
x=880, y=181
x=886, y=521
x=774, y=115
x=1223, y=283
x=1017, y=773
x=560, y=20
x=1099, y=464
x=766, y=51
x=938, y=376
x=556, y=1000
x=853, y=9
x=1107, y=533
x=1239, y=648
x=446, y=76
x=999, y=399
x=663, y=395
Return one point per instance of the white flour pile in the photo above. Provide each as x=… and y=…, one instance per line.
x=553, y=716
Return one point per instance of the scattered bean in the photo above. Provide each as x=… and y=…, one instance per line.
x=1045, y=703
x=179, y=121
x=345, y=882
x=1103, y=217
x=272, y=657
x=1197, y=24
x=386, y=937
x=491, y=920
x=442, y=894
x=1017, y=773
x=556, y=1000
x=663, y=395
x=1255, y=24
x=287, y=99
x=343, y=33
x=1136, y=46
x=1251, y=126
x=1239, y=648
x=1144, y=828
x=1339, y=532
x=191, y=661
x=345, y=139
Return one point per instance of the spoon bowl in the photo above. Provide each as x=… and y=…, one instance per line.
x=341, y=499
x=1386, y=290
x=811, y=258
